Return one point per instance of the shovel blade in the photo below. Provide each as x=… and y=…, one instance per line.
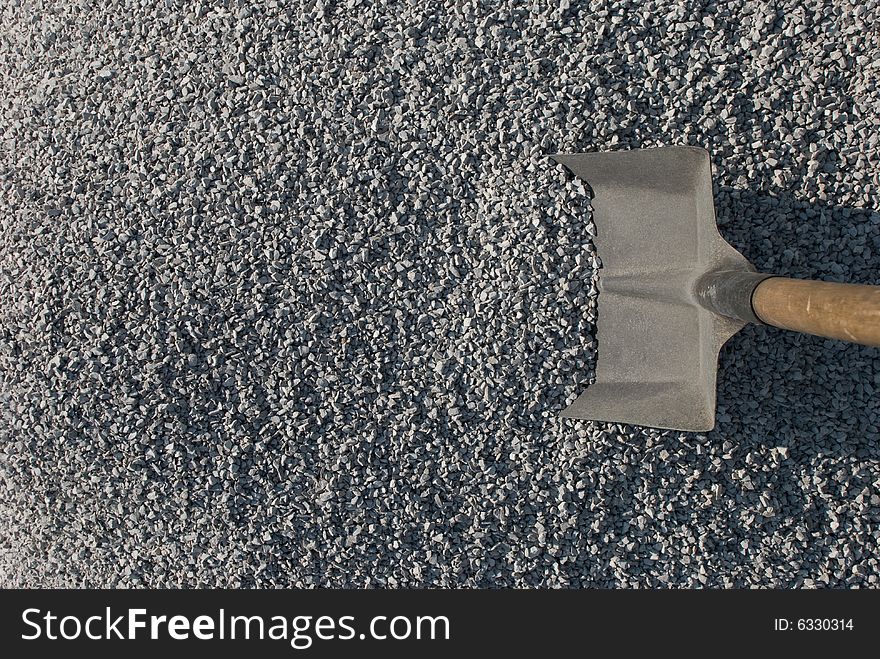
x=655, y=236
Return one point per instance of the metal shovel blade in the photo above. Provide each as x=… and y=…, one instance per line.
x=656, y=236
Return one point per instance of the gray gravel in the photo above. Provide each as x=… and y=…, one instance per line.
x=293, y=296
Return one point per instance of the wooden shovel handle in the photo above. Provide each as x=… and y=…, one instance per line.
x=849, y=312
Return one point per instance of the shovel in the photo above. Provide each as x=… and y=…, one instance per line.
x=672, y=291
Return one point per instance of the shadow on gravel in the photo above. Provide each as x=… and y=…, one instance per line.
x=814, y=396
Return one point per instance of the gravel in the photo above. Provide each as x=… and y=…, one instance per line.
x=292, y=296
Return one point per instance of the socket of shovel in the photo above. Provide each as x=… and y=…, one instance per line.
x=672, y=291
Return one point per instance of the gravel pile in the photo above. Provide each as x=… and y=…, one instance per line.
x=292, y=296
